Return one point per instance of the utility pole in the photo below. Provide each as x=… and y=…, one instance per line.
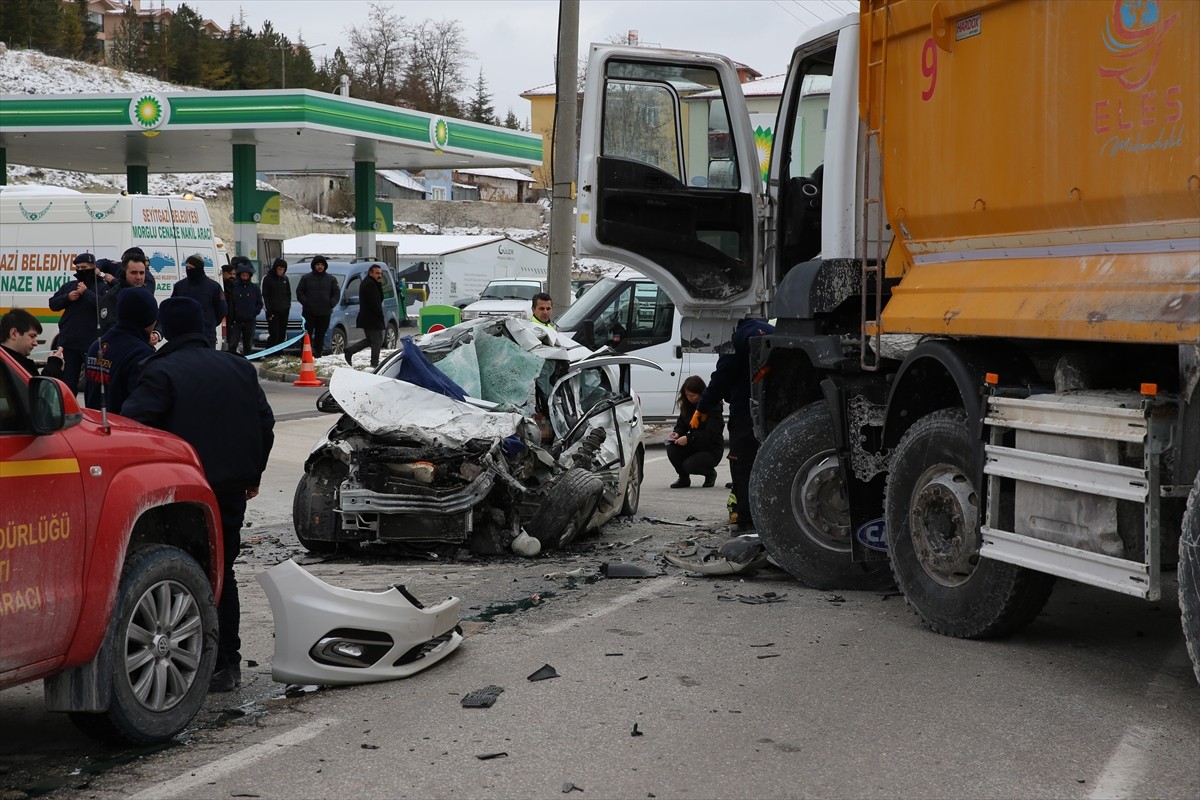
x=566, y=110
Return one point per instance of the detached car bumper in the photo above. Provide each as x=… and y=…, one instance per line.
x=333, y=637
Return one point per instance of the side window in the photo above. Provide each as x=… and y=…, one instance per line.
x=352, y=289
x=801, y=171
x=389, y=288
x=612, y=322
x=672, y=118
x=12, y=412
x=651, y=317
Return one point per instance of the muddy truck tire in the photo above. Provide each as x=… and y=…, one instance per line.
x=1189, y=576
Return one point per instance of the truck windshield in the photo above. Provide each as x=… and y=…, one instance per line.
x=585, y=307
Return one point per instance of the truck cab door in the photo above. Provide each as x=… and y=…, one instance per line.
x=670, y=182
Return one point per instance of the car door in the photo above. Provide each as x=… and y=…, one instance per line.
x=670, y=183
x=350, y=306
x=43, y=533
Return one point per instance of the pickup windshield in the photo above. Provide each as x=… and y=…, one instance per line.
x=510, y=291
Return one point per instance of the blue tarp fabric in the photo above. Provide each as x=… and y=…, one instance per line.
x=417, y=370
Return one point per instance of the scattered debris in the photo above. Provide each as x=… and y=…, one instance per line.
x=570, y=787
x=768, y=644
x=835, y=598
x=743, y=553
x=369, y=746
x=635, y=731
x=526, y=545
x=535, y=598
x=614, y=654
x=643, y=677
x=624, y=569
x=755, y=599
x=544, y=673
x=251, y=663
x=769, y=655
x=886, y=595
x=574, y=573
x=299, y=690
x=490, y=756
x=482, y=698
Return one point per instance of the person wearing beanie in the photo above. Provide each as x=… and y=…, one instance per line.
x=79, y=300
x=245, y=301
x=205, y=291
x=277, y=297
x=318, y=294
x=114, y=360
x=132, y=271
x=178, y=390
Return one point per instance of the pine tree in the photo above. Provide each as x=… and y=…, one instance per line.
x=70, y=34
x=184, y=34
x=46, y=31
x=92, y=49
x=480, y=108
x=511, y=121
x=129, y=45
x=16, y=23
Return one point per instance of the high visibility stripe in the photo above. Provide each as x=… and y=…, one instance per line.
x=43, y=466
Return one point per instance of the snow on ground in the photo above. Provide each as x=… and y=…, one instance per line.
x=31, y=72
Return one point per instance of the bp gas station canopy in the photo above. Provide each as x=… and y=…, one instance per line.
x=293, y=130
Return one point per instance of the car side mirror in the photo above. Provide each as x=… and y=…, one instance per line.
x=53, y=409
x=585, y=334
x=350, y=301
x=327, y=405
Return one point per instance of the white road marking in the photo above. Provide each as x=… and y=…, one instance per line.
x=1126, y=768
x=656, y=458
x=185, y=782
x=620, y=602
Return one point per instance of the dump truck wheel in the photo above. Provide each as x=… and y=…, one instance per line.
x=800, y=507
x=1189, y=575
x=567, y=508
x=313, y=515
x=933, y=511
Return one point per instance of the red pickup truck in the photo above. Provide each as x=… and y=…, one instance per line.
x=110, y=563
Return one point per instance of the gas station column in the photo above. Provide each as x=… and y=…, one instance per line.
x=3, y=167
x=246, y=207
x=364, y=209
x=137, y=179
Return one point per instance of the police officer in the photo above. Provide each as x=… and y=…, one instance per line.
x=205, y=291
x=179, y=388
x=78, y=300
x=245, y=301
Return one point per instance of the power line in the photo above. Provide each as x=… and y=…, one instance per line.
x=790, y=14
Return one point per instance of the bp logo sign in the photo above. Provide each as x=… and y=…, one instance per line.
x=439, y=132
x=149, y=111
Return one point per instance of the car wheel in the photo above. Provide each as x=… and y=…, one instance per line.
x=314, y=514
x=337, y=341
x=933, y=509
x=161, y=644
x=1189, y=576
x=800, y=508
x=390, y=337
x=633, y=489
x=566, y=509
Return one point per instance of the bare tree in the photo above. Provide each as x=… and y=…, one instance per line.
x=438, y=51
x=377, y=54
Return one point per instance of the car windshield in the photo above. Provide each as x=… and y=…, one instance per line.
x=584, y=307
x=510, y=291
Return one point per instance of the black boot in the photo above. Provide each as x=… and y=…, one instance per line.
x=710, y=480
x=683, y=482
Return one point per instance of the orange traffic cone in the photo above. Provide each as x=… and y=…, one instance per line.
x=308, y=370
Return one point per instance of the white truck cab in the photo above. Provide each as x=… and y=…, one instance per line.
x=631, y=314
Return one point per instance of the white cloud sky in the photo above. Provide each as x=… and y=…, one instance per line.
x=515, y=40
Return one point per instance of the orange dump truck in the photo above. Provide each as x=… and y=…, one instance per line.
x=980, y=244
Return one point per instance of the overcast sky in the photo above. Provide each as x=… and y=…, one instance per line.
x=514, y=41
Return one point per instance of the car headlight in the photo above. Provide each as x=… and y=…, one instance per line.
x=466, y=315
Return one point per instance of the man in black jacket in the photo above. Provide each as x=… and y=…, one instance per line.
x=132, y=271
x=277, y=297
x=370, y=315
x=318, y=294
x=79, y=326
x=178, y=391
x=18, y=334
x=245, y=301
x=205, y=291
x=114, y=360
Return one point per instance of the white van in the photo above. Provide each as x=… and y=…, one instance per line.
x=633, y=315
x=43, y=228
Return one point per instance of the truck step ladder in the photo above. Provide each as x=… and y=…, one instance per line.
x=872, y=263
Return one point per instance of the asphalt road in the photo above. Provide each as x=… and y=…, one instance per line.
x=818, y=695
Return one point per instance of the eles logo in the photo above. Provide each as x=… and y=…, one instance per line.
x=1134, y=34
x=873, y=535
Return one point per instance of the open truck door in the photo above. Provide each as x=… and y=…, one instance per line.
x=670, y=182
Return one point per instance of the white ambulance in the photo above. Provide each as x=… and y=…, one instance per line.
x=43, y=228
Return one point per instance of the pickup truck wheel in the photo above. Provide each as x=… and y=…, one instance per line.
x=800, y=507
x=633, y=489
x=1189, y=575
x=162, y=644
x=313, y=508
x=338, y=341
x=390, y=337
x=566, y=509
x=933, y=511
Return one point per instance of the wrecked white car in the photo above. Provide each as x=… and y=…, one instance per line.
x=470, y=436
